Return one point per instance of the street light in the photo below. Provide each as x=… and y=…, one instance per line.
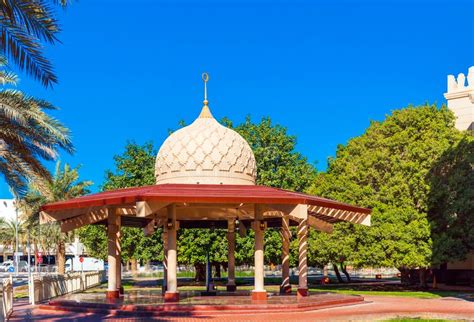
x=15, y=203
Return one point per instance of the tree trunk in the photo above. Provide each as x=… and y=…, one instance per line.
x=134, y=263
x=200, y=272
x=344, y=270
x=422, y=276
x=405, y=276
x=338, y=275
x=61, y=257
x=218, y=270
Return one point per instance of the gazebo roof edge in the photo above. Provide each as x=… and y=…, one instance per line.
x=202, y=193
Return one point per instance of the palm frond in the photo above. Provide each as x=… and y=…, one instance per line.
x=27, y=135
x=25, y=51
x=8, y=78
x=37, y=17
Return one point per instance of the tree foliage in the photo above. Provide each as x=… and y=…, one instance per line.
x=451, y=202
x=27, y=136
x=387, y=169
x=134, y=167
x=64, y=185
x=24, y=26
x=278, y=163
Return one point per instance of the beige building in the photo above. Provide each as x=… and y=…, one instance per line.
x=460, y=97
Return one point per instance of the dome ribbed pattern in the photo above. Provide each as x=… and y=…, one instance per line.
x=205, y=152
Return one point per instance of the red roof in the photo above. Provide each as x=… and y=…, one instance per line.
x=200, y=193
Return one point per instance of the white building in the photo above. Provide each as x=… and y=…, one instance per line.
x=7, y=209
x=8, y=212
x=460, y=97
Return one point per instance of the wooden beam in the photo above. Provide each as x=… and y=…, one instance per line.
x=86, y=219
x=45, y=218
x=61, y=215
x=149, y=229
x=342, y=215
x=148, y=208
x=295, y=212
x=320, y=225
x=211, y=213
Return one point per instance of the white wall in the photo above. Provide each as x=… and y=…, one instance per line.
x=460, y=97
x=7, y=209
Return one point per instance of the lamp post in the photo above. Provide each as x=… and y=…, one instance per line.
x=30, y=282
x=16, y=237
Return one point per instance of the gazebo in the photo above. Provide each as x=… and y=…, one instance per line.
x=205, y=177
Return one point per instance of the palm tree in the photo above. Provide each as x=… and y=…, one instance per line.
x=3, y=224
x=24, y=25
x=27, y=134
x=64, y=185
x=8, y=234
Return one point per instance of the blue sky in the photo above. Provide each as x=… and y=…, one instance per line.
x=324, y=69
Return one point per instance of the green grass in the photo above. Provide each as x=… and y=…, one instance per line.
x=405, y=293
x=272, y=285
x=415, y=320
x=19, y=295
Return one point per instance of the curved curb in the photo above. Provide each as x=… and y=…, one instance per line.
x=197, y=309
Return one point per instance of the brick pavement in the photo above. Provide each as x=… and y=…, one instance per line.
x=376, y=307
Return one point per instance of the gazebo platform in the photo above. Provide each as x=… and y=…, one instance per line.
x=150, y=303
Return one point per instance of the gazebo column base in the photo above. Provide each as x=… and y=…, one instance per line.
x=302, y=292
x=171, y=297
x=231, y=287
x=112, y=294
x=259, y=295
x=285, y=289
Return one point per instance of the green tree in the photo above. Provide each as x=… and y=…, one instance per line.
x=27, y=136
x=24, y=26
x=386, y=169
x=451, y=202
x=64, y=185
x=133, y=168
x=8, y=234
x=94, y=238
x=278, y=163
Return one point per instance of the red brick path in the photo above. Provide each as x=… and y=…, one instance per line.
x=374, y=308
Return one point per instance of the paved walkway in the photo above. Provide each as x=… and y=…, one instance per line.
x=376, y=307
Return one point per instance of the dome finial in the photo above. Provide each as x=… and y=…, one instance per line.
x=205, y=78
x=205, y=112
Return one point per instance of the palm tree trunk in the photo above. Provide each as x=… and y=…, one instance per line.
x=61, y=257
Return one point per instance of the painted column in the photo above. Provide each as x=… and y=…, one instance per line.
x=172, y=294
x=231, y=255
x=259, y=293
x=113, y=243
x=285, y=286
x=303, y=258
x=118, y=262
x=165, y=258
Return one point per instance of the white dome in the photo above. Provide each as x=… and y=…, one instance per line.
x=205, y=152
